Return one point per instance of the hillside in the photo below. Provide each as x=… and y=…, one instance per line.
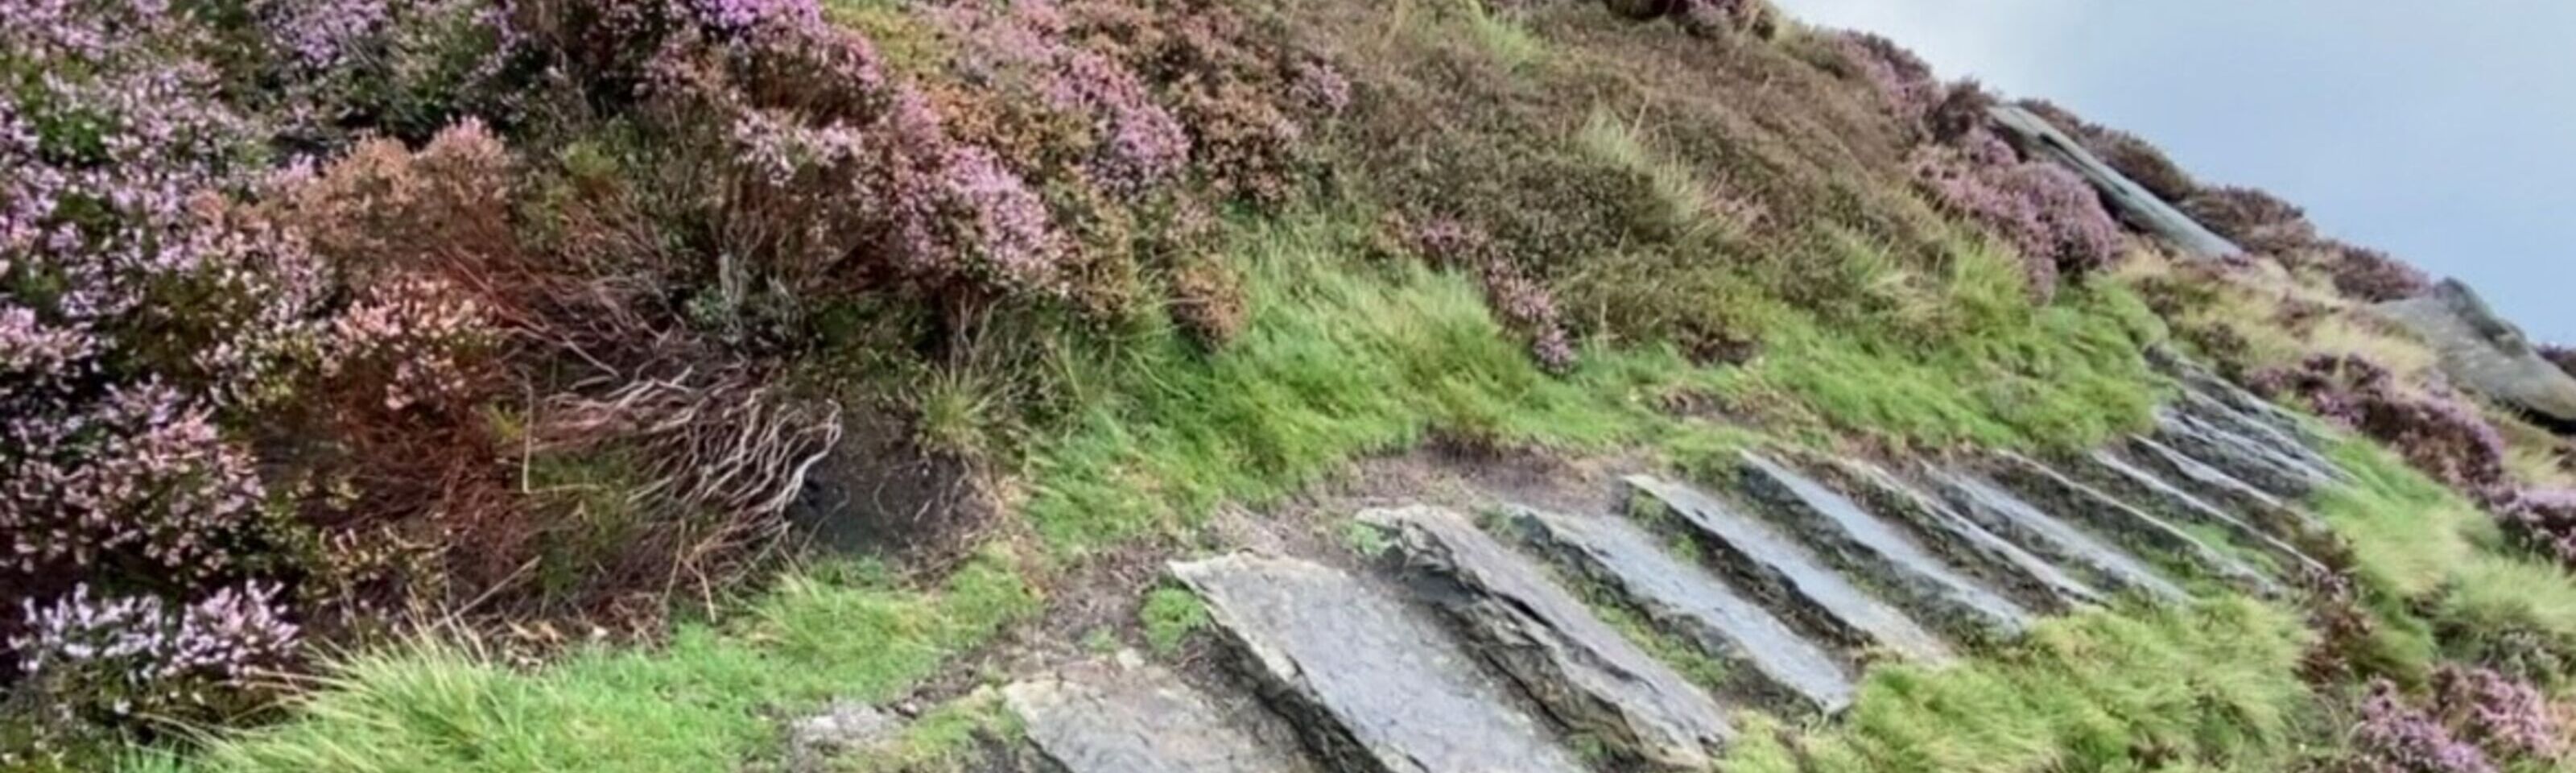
x=1139, y=385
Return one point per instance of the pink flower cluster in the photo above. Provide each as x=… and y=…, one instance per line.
x=96, y=658
x=1901, y=79
x=2049, y=215
x=2396, y=737
x=2509, y=718
x=1523, y=304
x=1137, y=143
x=2438, y=433
x=2543, y=520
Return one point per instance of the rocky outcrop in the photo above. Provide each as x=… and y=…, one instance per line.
x=1585, y=673
x=1373, y=685
x=1863, y=545
x=1768, y=657
x=2133, y=203
x=1105, y=718
x=1786, y=575
x=2483, y=353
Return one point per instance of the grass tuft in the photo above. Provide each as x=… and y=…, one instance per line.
x=704, y=700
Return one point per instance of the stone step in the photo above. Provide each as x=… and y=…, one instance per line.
x=2280, y=466
x=1111, y=718
x=2008, y=515
x=2126, y=524
x=2116, y=475
x=1583, y=672
x=2239, y=404
x=1373, y=684
x=2279, y=517
x=1884, y=556
x=1765, y=655
x=1991, y=558
x=1788, y=577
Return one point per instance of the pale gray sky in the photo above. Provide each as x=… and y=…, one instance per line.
x=2442, y=132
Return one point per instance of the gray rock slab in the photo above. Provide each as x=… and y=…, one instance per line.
x=1100, y=718
x=1993, y=559
x=2048, y=536
x=1373, y=684
x=2279, y=517
x=2131, y=201
x=2483, y=353
x=2249, y=451
x=1585, y=673
x=1791, y=579
x=1862, y=544
x=1764, y=654
x=2125, y=523
x=2115, y=474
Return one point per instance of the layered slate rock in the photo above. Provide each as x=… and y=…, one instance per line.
x=1688, y=601
x=1373, y=685
x=1586, y=674
x=1861, y=544
x=2271, y=461
x=2273, y=514
x=2134, y=204
x=2116, y=475
x=2126, y=523
x=1991, y=558
x=1099, y=718
x=1790, y=578
x=2062, y=543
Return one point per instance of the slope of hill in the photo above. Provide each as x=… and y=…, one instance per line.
x=907, y=385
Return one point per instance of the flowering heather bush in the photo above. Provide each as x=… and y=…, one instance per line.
x=2395, y=737
x=89, y=661
x=1523, y=304
x=2542, y=520
x=1902, y=80
x=2047, y=213
x=2370, y=275
x=2255, y=220
x=2438, y=433
x=2510, y=719
x=1134, y=142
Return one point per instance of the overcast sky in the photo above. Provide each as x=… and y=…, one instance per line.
x=2442, y=132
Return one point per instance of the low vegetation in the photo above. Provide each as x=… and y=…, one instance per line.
x=354, y=352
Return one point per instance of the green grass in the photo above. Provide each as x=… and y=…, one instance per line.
x=2210, y=686
x=1341, y=357
x=708, y=699
x=1170, y=615
x=2438, y=570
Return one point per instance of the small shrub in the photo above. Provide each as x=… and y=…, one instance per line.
x=2543, y=521
x=1170, y=616
x=2396, y=737
x=2511, y=720
x=94, y=666
x=2050, y=216
x=1903, y=81
x=2437, y=432
x=1522, y=304
x=2256, y=220
x=2372, y=276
